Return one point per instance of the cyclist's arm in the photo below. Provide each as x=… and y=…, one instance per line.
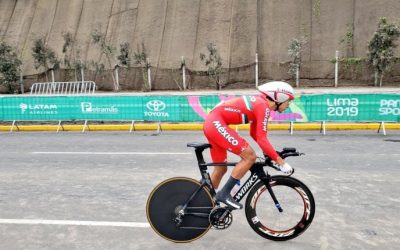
x=253, y=134
x=259, y=132
x=280, y=161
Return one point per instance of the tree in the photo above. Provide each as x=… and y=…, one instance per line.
x=214, y=64
x=348, y=62
x=68, y=48
x=124, y=55
x=71, y=53
x=44, y=56
x=99, y=38
x=347, y=41
x=9, y=67
x=381, y=48
x=140, y=57
x=294, y=50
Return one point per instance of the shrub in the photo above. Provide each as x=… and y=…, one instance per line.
x=213, y=62
x=9, y=67
x=381, y=48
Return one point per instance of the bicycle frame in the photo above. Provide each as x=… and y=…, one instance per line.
x=257, y=174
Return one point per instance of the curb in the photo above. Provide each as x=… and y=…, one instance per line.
x=196, y=126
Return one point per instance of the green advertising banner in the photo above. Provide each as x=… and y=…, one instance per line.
x=352, y=107
x=305, y=108
x=149, y=108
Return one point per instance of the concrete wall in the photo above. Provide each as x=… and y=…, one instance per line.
x=174, y=28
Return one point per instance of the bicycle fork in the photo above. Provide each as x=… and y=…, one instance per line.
x=266, y=179
x=277, y=204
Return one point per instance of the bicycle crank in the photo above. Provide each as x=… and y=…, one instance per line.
x=220, y=218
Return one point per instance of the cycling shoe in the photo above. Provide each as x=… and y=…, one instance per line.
x=229, y=201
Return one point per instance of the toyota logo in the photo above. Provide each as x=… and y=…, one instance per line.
x=156, y=105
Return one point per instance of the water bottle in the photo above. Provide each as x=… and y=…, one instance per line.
x=235, y=188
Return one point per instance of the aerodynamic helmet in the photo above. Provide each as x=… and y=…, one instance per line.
x=277, y=91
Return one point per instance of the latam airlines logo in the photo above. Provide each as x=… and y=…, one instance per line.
x=156, y=109
x=23, y=107
x=222, y=130
x=38, y=109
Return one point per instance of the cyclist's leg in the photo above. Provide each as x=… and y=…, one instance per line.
x=218, y=154
x=217, y=175
x=248, y=158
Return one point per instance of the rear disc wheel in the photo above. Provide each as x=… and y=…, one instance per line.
x=165, y=202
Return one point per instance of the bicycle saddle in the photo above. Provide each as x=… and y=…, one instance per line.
x=199, y=145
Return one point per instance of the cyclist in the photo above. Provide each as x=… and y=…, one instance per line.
x=255, y=110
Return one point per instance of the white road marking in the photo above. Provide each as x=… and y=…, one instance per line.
x=75, y=223
x=114, y=153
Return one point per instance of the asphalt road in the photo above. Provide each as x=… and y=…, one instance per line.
x=89, y=190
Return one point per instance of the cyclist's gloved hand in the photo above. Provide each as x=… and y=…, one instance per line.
x=286, y=168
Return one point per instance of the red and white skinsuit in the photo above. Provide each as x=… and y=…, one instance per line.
x=240, y=110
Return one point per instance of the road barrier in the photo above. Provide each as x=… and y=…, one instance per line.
x=321, y=108
x=63, y=88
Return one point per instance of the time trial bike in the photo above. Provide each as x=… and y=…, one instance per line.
x=278, y=207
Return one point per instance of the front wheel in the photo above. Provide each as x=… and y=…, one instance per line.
x=295, y=199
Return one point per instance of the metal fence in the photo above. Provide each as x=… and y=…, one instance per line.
x=63, y=88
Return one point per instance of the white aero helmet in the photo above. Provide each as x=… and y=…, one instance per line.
x=277, y=91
